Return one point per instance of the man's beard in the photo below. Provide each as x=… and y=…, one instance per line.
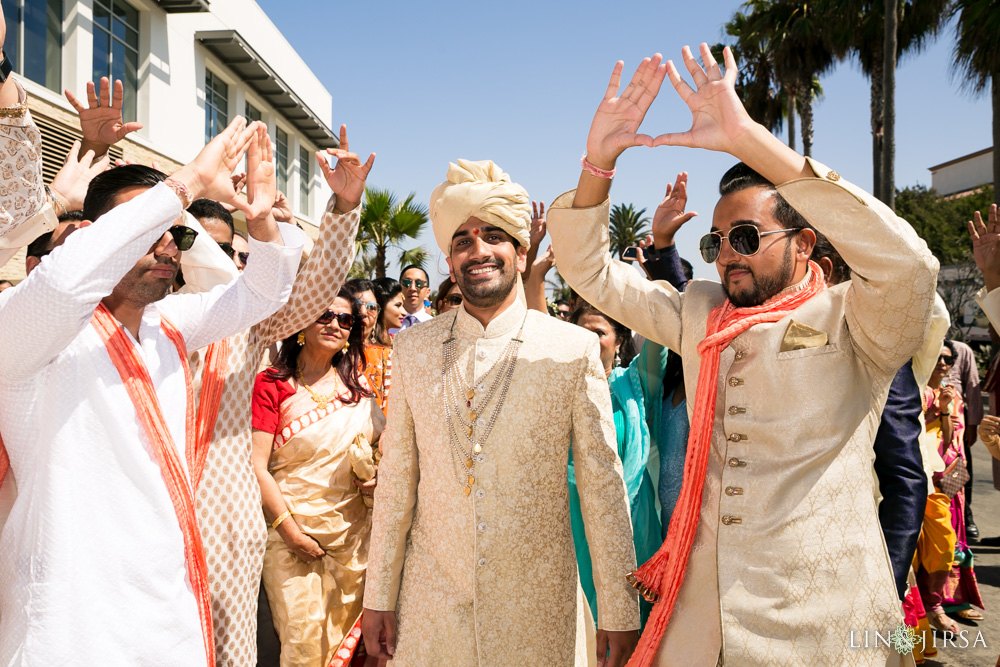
x=764, y=287
x=487, y=294
x=139, y=288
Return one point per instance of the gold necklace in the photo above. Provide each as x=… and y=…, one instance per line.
x=320, y=400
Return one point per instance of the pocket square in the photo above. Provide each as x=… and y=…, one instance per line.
x=800, y=337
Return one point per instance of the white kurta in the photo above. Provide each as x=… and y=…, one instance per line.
x=92, y=564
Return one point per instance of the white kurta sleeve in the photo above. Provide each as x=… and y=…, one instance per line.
x=894, y=275
x=395, y=498
x=989, y=301
x=603, y=496
x=228, y=309
x=582, y=247
x=42, y=314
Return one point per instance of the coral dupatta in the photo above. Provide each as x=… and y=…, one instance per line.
x=663, y=574
x=141, y=391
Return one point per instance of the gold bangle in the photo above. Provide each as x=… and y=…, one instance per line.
x=277, y=522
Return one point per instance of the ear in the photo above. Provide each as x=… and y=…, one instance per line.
x=451, y=270
x=805, y=241
x=522, y=258
x=30, y=263
x=826, y=264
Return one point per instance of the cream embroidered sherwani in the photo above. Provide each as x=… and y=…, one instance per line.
x=22, y=195
x=228, y=498
x=788, y=557
x=490, y=578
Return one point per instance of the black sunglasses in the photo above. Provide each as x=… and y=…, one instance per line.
x=244, y=256
x=228, y=249
x=947, y=359
x=743, y=239
x=454, y=300
x=408, y=282
x=344, y=320
x=183, y=236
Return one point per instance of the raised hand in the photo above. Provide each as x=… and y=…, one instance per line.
x=986, y=246
x=261, y=183
x=347, y=178
x=209, y=175
x=617, y=120
x=102, y=123
x=69, y=187
x=282, y=210
x=718, y=118
x=670, y=215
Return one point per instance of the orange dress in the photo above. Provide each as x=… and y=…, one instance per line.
x=378, y=371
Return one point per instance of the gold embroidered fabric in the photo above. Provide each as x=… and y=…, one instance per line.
x=228, y=498
x=491, y=578
x=788, y=556
x=21, y=189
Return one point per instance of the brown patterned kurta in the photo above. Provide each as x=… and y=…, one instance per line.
x=228, y=499
x=21, y=191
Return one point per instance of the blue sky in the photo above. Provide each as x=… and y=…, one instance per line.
x=517, y=82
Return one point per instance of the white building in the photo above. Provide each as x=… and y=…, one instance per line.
x=964, y=174
x=188, y=66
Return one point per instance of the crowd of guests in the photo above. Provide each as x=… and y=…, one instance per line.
x=262, y=379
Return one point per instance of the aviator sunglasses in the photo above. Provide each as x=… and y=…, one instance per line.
x=344, y=320
x=743, y=239
x=408, y=283
x=183, y=236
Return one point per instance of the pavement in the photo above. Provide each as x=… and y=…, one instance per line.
x=986, y=512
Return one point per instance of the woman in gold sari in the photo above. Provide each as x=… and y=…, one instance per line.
x=310, y=410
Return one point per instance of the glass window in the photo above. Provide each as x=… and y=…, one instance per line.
x=37, y=23
x=252, y=113
x=304, y=180
x=281, y=155
x=116, y=48
x=216, y=105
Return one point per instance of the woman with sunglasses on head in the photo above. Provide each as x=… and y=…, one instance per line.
x=309, y=411
x=449, y=296
x=945, y=577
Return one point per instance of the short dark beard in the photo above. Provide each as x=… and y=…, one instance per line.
x=763, y=288
x=488, y=295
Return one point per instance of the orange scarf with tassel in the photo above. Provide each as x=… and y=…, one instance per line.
x=663, y=574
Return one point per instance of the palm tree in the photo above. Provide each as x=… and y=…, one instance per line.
x=859, y=32
x=977, y=60
x=627, y=226
x=385, y=222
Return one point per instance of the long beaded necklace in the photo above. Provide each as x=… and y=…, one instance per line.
x=468, y=433
x=320, y=400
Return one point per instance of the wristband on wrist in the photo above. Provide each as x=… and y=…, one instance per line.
x=282, y=517
x=55, y=200
x=596, y=171
x=182, y=191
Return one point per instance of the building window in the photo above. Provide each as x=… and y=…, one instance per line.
x=116, y=48
x=281, y=155
x=37, y=23
x=252, y=113
x=216, y=105
x=304, y=180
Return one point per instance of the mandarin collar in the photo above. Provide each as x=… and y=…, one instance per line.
x=503, y=324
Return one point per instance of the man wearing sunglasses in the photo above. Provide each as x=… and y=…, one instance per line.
x=416, y=288
x=773, y=552
x=99, y=425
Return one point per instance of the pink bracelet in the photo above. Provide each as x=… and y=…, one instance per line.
x=596, y=171
x=181, y=190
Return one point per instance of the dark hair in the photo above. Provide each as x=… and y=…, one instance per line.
x=442, y=292
x=418, y=268
x=385, y=290
x=673, y=374
x=950, y=344
x=207, y=209
x=562, y=302
x=741, y=177
x=6, y=281
x=687, y=269
x=825, y=250
x=102, y=194
x=349, y=363
x=42, y=245
x=623, y=336
x=359, y=286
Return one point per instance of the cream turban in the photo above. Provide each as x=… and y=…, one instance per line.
x=479, y=190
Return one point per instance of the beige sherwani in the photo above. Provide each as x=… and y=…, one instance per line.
x=788, y=557
x=228, y=499
x=490, y=578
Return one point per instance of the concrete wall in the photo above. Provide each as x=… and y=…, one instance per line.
x=964, y=174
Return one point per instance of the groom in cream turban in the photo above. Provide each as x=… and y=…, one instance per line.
x=471, y=560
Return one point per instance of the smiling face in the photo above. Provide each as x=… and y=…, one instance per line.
x=329, y=337
x=392, y=317
x=484, y=263
x=779, y=263
x=417, y=292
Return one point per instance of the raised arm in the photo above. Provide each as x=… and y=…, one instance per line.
x=324, y=271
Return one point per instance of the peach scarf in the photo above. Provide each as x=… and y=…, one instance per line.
x=663, y=574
